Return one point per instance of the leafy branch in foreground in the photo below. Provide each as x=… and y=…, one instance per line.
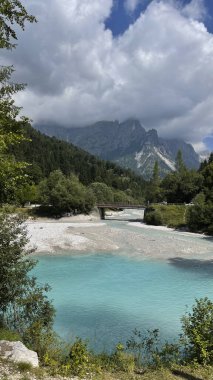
x=24, y=306
x=12, y=12
x=12, y=127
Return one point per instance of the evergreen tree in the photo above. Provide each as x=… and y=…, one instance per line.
x=11, y=125
x=179, y=163
x=11, y=133
x=154, y=192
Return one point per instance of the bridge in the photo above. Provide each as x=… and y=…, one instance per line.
x=116, y=206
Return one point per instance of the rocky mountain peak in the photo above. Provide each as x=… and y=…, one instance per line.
x=128, y=144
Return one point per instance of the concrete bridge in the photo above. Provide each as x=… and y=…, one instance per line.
x=117, y=206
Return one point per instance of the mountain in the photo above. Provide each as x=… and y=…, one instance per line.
x=46, y=154
x=127, y=144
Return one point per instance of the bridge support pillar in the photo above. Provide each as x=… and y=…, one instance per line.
x=102, y=212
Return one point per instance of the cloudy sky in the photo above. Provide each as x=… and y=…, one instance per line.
x=89, y=60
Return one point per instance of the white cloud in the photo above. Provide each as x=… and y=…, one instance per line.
x=131, y=5
x=159, y=70
x=196, y=10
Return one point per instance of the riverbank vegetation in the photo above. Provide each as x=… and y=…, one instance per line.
x=166, y=215
x=184, y=198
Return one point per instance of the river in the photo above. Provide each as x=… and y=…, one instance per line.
x=147, y=283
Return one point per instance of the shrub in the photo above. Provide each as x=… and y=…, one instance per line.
x=79, y=358
x=123, y=361
x=153, y=217
x=197, y=335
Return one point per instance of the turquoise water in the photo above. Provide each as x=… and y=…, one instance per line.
x=103, y=297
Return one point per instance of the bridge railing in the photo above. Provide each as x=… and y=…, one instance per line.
x=119, y=205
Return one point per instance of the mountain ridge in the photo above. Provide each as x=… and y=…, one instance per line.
x=128, y=144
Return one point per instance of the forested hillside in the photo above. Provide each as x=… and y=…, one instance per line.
x=46, y=154
x=127, y=144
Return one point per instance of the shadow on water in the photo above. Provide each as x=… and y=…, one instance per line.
x=101, y=327
x=209, y=238
x=184, y=375
x=201, y=266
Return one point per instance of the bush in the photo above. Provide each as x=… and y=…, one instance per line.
x=197, y=335
x=122, y=361
x=79, y=358
x=153, y=217
x=167, y=215
x=149, y=352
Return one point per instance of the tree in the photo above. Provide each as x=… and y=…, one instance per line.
x=179, y=163
x=65, y=194
x=200, y=215
x=11, y=133
x=22, y=301
x=182, y=186
x=11, y=126
x=155, y=176
x=102, y=192
x=154, y=191
x=12, y=12
x=197, y=329
x=207, y=173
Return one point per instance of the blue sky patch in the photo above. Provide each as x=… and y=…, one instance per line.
x=120, y=19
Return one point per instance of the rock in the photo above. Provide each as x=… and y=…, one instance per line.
x=18, y=352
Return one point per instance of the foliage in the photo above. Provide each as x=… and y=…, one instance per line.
x=6, y=334
x=149, y=351
x=154, y=192
x=102, y=192
x=197, y=329
x=46, y=154
x=179, y=163
x=153, y=217
x=167, y=215
x=121, y=360
x=26, y=193
x=24, y=306
x=11, y=12
x=142, y=345
x=81, y=360
x=181, y=187
x=200, y=215
x=11, y=134
x=65, y=194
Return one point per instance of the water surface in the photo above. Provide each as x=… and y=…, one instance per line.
x=103, y=297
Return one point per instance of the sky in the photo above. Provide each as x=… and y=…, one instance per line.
x=86, y=61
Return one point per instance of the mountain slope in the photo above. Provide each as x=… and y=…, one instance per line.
x=46, y=154
x=127, y=144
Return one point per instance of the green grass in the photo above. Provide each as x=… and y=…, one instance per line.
x=176, y=373
x=6, y=334
x=24, y=367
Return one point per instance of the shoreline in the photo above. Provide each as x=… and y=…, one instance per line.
x=86, y=234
